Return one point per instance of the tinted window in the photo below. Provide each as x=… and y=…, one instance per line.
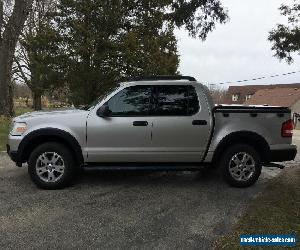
x=132, y=101
x=175, y=100
x=171, y=100
x=193, y=101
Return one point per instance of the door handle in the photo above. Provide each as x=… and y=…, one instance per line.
x=199, y=122
x=140, y=123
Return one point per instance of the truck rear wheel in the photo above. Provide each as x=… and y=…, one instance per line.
x=51, y=166
x=241, y=165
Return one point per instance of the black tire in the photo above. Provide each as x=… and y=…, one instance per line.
x=66, y=161
x=228, y=164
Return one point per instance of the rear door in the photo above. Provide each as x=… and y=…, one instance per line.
x=180, y=129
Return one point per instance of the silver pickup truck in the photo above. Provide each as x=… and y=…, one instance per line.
x=161, y=123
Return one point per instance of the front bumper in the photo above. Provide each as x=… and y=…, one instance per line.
x=14, y=156
x=285, y=154
x=12, y=149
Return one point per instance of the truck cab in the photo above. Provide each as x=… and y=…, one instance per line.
x=154, y=121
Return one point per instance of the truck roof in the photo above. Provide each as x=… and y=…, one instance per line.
x=163, y=77
x=160, y=82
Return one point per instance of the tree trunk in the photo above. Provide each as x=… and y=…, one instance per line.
x=6, y=98
x=37, y=101
x=8, y=42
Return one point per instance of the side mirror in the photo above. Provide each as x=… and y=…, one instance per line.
x=103, y=111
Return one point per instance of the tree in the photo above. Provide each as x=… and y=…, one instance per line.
x=89, y=45
x=286, y=38
x=147, y=47
x=89, y=40
x=37, y=53
x=10, y=29
x=103, y=42
x=217, y=92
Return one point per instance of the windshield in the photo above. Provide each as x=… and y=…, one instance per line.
x=100, y=98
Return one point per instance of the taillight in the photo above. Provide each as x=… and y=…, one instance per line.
x=287, y=129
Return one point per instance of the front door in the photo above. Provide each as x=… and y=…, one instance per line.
x=125, y=135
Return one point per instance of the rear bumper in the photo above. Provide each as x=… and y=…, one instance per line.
x=286, y=154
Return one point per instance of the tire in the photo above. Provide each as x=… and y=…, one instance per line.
x=51, y=166
x=240, y=165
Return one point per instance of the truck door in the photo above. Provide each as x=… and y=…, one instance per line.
x=125, y=135
x=181, y=127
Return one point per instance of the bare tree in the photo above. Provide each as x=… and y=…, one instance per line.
x=10, y=29
x=22, y=91
x=218, y=93
x=30, y=53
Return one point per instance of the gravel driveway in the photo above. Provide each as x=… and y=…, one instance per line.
x=140, y=210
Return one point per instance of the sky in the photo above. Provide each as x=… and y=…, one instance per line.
x=238, y=49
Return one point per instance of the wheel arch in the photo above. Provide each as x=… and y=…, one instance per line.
x=40, y=136
x=246, y=137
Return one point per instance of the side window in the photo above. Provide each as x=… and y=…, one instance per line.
x=193, y=101
x=132, y=101
x=171, y=100
x=175, y=100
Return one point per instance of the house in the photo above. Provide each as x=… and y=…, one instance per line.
x=241, y=94
x=285, y=97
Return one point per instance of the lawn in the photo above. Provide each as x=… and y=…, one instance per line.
x=275, y=211
x=4, y=126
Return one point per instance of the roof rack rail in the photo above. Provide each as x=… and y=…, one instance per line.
x=157, y=78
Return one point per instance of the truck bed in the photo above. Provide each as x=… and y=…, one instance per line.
x=263, y=121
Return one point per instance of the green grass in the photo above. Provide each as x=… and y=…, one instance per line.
x=22, y=110
x=4, y=126
x=275, y=211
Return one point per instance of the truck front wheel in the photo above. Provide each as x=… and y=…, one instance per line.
x=51, y=166
x=241, y=165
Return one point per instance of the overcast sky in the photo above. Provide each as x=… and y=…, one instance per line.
x=239, y=49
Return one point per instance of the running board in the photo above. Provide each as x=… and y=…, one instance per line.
x=145, y=166
x=274, y=165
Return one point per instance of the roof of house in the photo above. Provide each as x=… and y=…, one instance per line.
x=251, y=89
x=285, y=97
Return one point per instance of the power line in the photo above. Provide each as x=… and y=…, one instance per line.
x=259, y=78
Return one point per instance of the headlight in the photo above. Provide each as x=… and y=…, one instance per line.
x=18, y=128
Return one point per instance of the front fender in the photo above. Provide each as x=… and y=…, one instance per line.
x=37, y=137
